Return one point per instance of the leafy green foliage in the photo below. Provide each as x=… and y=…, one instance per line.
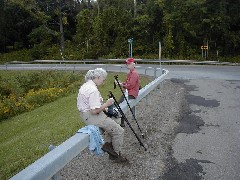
x=20, y=55
x=29, y=90
x=97, y=29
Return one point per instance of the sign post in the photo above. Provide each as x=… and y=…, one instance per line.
x=205, y=49
x=130, y=41
x=160, y=54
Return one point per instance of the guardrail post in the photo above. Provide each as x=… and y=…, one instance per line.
x=146, y=100
x=145, y=71
x=134, y=110
x=160, y=84
x=155, y=73
x=57, y=175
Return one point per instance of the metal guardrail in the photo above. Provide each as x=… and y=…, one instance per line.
x=85, y=61
x=52, y=162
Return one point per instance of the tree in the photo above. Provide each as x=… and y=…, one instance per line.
x=2, y=27
x=101, y=28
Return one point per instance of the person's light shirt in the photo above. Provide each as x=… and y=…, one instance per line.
x=88, y=97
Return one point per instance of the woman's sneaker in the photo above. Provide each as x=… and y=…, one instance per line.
x=107, y=147
x=122, y=123
x=111, y=157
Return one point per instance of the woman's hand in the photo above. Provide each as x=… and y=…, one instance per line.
x=110, y=102
x=120, y=83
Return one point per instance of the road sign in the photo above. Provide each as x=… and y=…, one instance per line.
x=130, y=40
x=204, y=47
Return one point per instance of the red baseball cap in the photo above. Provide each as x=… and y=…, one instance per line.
x=129, y=61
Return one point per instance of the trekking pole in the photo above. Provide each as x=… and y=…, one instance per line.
x=116, y=78
x=125, y=119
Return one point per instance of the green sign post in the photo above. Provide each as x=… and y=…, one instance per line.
x=130, y=41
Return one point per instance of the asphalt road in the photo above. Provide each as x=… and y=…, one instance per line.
x=207, y=142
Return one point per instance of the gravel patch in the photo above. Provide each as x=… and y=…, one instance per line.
x=157, y=118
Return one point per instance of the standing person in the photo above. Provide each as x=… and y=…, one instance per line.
x=90, y=105
x=131, y=84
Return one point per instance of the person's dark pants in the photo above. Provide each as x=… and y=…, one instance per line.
x=133, y=109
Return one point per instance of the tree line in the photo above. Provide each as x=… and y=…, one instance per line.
x=85, y=29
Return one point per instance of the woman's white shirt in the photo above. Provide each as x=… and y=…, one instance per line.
x=88, y=97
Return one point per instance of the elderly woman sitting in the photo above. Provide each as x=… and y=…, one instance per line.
x=90, y=105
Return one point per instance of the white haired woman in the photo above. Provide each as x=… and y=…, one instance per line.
x=90, y=105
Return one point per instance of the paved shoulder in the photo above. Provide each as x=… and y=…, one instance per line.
x=207, y=141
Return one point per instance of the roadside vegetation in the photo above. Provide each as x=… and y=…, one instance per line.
x=24, y=91
x=101, y=29
x=51, y=117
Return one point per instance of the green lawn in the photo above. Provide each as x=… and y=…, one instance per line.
x=26, y=137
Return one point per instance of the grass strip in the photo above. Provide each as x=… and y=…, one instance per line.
x=26, y=137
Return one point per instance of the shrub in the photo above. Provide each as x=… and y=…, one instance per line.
x=26, y=91
x=21, y=55
x=42, y=96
